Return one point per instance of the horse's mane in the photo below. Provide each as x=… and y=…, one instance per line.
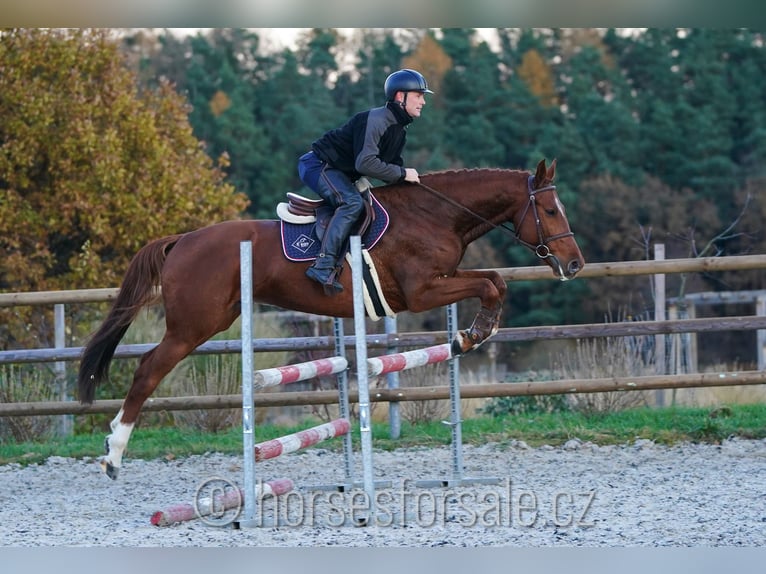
x=491, y=170
x=437, y=176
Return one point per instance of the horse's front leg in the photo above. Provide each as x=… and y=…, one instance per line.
x=487, y=286
x=487, y=320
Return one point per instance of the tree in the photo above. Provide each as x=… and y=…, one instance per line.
x=90, y=168
x=623, y=221
x=294, y=109
x=671, y=113
x=221, y=88
x=599, y=108
x=427, y=145
x=538, y=77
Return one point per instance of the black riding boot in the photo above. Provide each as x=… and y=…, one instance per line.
x=339, y=191
x=325, y=269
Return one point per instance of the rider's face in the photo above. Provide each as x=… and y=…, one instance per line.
x=414, y=102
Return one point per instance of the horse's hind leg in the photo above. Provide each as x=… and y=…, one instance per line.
x=152, y=369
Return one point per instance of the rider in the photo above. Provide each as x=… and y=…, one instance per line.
x=368, y=144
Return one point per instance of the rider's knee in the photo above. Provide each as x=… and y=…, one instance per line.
x=354, y=203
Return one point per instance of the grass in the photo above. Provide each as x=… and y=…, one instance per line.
x=662, y=425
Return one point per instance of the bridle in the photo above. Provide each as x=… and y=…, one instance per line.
x=541, y=249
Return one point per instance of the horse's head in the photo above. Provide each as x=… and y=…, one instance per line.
x=542, y=225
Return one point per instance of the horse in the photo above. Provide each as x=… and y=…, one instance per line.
x=431, y=224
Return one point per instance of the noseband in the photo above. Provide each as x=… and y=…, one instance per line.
x=541, y=249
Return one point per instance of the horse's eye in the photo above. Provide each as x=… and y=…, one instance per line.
x=551, y=211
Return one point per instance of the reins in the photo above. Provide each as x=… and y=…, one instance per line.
x=541, y=249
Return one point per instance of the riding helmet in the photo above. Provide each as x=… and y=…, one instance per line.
x=405, y=80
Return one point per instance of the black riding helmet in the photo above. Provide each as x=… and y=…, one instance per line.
x=405, y=80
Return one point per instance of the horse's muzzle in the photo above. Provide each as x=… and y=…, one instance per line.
x=573, y=268
x=565, y=274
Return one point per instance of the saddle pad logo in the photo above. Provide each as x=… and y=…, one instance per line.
x=303, y=243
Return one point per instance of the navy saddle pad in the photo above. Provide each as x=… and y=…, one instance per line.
x=300, y=243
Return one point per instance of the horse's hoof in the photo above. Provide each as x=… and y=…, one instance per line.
x=457, y=346
x=109, y=469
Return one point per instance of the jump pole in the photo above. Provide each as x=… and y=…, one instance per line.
x=298, y=372
x=302, y=439
x=248, y=415
x=456, y=422
x=343, y=405
x=227, y=501
x=403, y=361
x=392, y=382
x=289, y=374
x=360, y=333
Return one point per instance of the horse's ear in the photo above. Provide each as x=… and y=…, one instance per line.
x=540, y=174
x=551, y=170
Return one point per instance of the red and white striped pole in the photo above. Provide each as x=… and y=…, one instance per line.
x=226, y=501
x=408, y=359
x=302, y=439
x=298, y=372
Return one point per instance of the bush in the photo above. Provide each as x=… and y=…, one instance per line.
x=25, y=384
x=92, y=168
x=526, y=405
x=210, y=375
x=606, y=358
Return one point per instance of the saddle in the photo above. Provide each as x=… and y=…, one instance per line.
x=302, y=210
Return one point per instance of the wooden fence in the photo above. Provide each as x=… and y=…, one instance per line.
x=641, y=328
x=618, y=269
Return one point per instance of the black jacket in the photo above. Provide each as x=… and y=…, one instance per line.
x=370, y=144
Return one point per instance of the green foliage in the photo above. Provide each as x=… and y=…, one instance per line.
x=515, y=406
x=91, y=167
x=526, y=405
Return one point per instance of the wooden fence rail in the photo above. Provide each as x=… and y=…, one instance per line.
x=614, y=269
x=420, y=339
x=489, y=390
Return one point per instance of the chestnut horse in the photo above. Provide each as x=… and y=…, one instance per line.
x=417, y=259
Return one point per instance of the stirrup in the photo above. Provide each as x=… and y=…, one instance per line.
x=329, y=280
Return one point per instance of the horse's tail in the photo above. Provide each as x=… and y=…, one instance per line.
x=137, y=290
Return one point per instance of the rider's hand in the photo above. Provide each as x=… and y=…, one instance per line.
x=411, y=175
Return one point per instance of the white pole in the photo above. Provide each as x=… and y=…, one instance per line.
x=659, y=315
x=66, y=422
x=365, y=428
x=392, y=381
x=760, y=351
x=248, y=416
x=343, y=402
x=455, y=421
